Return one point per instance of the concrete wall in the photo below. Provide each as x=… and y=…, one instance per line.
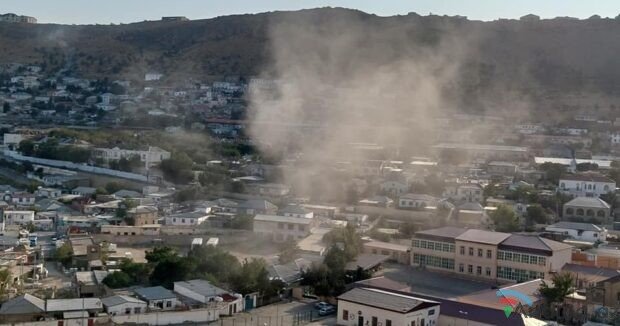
x=170, y=317
x=226, y=237
x=75, y=166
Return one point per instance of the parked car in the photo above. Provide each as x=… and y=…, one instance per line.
x=327, y=311
x=321, y=305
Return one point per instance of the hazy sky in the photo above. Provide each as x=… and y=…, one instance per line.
x=126, y=11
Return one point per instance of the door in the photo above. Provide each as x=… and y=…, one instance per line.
x=249, y=303
x=360, y=321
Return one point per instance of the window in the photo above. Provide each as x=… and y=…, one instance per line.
x=431, y=312
x=489, y=254
x=600, y=213
x=127, y=311
x=570, y=211
x=470, y=269
x=422, y=322
x=280, y=225
x=174, y=219
x=168, y=304
x=374, y=321
x=345, y=315
x=388, y=322
x=471, y=251
x=479, y=252
x=579, y=212
x=479, y=270
x=487, y=271
x=137, y=310
x=461, y=268
x=182, y=220
x=291, y=226
x=462, y=250
x=302, y=228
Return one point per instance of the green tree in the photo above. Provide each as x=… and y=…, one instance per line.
x=562, y=286
x=178, y=168
x=113, y=186
x=159, y=254
x=553, y=171
x=26, y=147
x=289, y=252
x=348, y=237
x=117, y=279
x=64, y=254
x=536, y=214
x=505, y=219
x=407, y=229
x=6, y=279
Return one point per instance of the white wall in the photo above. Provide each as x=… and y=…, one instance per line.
x=170, y=317
x=397, y=319
x=120, y=309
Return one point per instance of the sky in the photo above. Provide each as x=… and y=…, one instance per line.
x=127, y=11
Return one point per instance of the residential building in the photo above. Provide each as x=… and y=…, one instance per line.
x=143, y=215
x=196, y=217
x=368, y=306
x=294, y=210
x=18, y=217
x=579, y=231
x=481, y=151
x=464, y=192
x=73, y=308
x=83, y=191
x=145, y=229
x=23, y=308
x=48, y=192
x=604, y=293
x=158, y=297
x=84, y=251
x=586, y=184
x=13, y=18
x=395, y=187
x=123, y=305
x=150, y=157
x=498, y=168
x=587, y=209
x=269, y=189
x=396, y=252
x=413, y=201
x=23, y=198
x=256, y=206
x=282, y=228
x=89, y=284
x=205, y=292
x=487, y=254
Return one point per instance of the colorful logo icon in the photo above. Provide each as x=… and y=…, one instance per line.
x=511, y=299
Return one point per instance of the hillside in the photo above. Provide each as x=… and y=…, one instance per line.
x=541, y=58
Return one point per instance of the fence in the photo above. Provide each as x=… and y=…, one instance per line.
x=297, y=319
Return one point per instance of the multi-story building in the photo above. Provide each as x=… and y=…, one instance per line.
x=13, y=18
x=586, y=185
x=18, y=217
x=282, y=228
x=488, y=255
x=143, y=215
x=464, y=192
x=151, y=156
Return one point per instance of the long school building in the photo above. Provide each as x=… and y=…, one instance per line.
x=488, y=255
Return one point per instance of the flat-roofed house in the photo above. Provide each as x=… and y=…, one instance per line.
x=23, y=308
x=158, y=297
x=580, y=231
x=360, y=306
x=282, y=228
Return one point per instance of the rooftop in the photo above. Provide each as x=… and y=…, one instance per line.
x=576, y=226
x=483, y=236
x=115, y=300
x=591, y=177
x=366, y=262
x=386, y=245
x=202, y=287
x=533, y=244
x=155, y=293
x=386, y=300
x=482, y=147
x=282, y=219
x=446, y=232
x=593, y=202
x=73, y=304
x=23, y=304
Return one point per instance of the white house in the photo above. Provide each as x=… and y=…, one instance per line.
x=23, y=198
x=196, y=217
x=580, y=231
x=466, y=192
x=366, y=306
x=18, y=217
x=395, y=187
x=408, y=201
x=152, y=76
x=282, y=228
x=13, y=139
x=151, y=156
x=48, y=192
x=158, y=297
x=204, y=292
x=586, y=185
x=296, y=211
x=123, y=305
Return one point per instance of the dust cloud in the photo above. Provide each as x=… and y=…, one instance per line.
x=352, y=88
